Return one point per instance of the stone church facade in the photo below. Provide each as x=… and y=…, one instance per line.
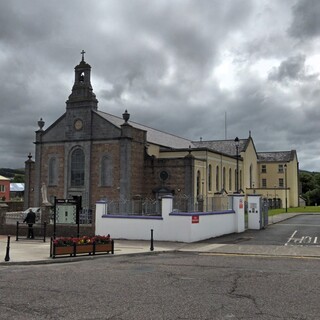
x=96, y=155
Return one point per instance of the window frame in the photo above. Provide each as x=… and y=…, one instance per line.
x=77, y=168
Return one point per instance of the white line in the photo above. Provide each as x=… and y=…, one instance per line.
x=291, y=238
x=307, y=239
x=299, y=224
x=315, y=240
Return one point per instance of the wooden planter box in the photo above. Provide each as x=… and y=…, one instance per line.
x=104, y=247
x=57, y=251
x=90, y=249
x=84, y=248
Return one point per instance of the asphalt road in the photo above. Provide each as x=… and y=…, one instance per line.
x=163, y=286
x=303, y=230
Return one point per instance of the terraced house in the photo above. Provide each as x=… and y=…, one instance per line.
x=90, y=153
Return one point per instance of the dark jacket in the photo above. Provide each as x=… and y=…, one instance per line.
x=30, y=218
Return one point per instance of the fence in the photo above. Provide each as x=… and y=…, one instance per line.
x=40, y=231
x=172, y=226
x=12, y=217
x=181, y=203
x=143, y=207
x=85, y=216
x=216, y=203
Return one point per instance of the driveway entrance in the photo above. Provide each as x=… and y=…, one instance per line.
x=301, y=230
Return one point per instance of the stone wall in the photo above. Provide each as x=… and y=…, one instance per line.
x=179, y=177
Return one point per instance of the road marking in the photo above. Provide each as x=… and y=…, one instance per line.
x=299, y=224
x=291, y=238
x=307, y=239
x=303, y=241
x=258, y=255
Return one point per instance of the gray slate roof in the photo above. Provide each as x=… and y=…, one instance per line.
x=279, y=156
x=153, y=135
x=223, y=146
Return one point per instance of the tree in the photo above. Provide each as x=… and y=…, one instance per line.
x=18, y=178
x=313, y=197
x=308, y=181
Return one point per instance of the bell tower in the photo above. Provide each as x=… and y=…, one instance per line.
x=80, y=107
x=82, y=93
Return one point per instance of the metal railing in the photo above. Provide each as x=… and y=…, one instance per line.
x=39, y=230
x=184, y=203
x=181, y=203
x=85, y=216
x=13, y=217
x=143, y=207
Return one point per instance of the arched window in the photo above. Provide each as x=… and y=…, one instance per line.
x=230, y=179
x=250, y=175
x=77, y=168
x=217, y=179
x=106, y=171
x=210, y=178
x=198, y=183
x=235, y=180
x=52, y=176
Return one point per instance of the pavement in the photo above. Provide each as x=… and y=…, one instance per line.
x=27, y=251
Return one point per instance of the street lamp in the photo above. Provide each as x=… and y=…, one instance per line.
x=236, y=140
x=285, y=185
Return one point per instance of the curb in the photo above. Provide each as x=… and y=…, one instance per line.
x=78, y=258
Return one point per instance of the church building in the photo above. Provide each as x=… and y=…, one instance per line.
x=90, y=153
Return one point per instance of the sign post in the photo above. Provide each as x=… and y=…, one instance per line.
x=67, y=211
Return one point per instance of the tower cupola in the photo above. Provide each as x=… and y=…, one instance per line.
x=82, y=91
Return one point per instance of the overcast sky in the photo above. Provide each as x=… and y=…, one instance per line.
x=185, y=67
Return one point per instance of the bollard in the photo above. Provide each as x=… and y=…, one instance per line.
x=44, y=231
x=7, y=258
x=17, y=231
x=151, y=245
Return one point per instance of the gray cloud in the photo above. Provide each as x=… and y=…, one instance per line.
x=179, y=66
x=292, y=69
x=305, y=22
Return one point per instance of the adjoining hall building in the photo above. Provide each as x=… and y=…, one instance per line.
x=93, y=154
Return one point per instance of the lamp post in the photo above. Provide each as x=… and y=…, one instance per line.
x=236, y=140
x=285, y=185
x=275, y=197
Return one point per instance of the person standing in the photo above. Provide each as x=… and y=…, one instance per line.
x=30, y=220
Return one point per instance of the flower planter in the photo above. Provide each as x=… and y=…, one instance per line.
x=103, y=247
x=72, y=249
x=62, y=250
x=84, y=248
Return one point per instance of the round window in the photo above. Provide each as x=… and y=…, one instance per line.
x=164, y=175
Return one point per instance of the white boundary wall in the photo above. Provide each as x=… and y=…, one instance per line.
x=172, y=226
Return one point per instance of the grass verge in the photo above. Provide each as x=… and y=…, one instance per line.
x=273, y=212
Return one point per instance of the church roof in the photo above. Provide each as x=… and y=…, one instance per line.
x=154, y=136
x=278, y=156
x=223, y=146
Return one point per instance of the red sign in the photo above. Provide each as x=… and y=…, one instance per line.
x=195, y=219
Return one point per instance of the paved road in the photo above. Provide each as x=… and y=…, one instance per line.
x=164, y=286
x=303, y=230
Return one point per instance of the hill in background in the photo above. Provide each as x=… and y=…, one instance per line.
x=16, y=175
